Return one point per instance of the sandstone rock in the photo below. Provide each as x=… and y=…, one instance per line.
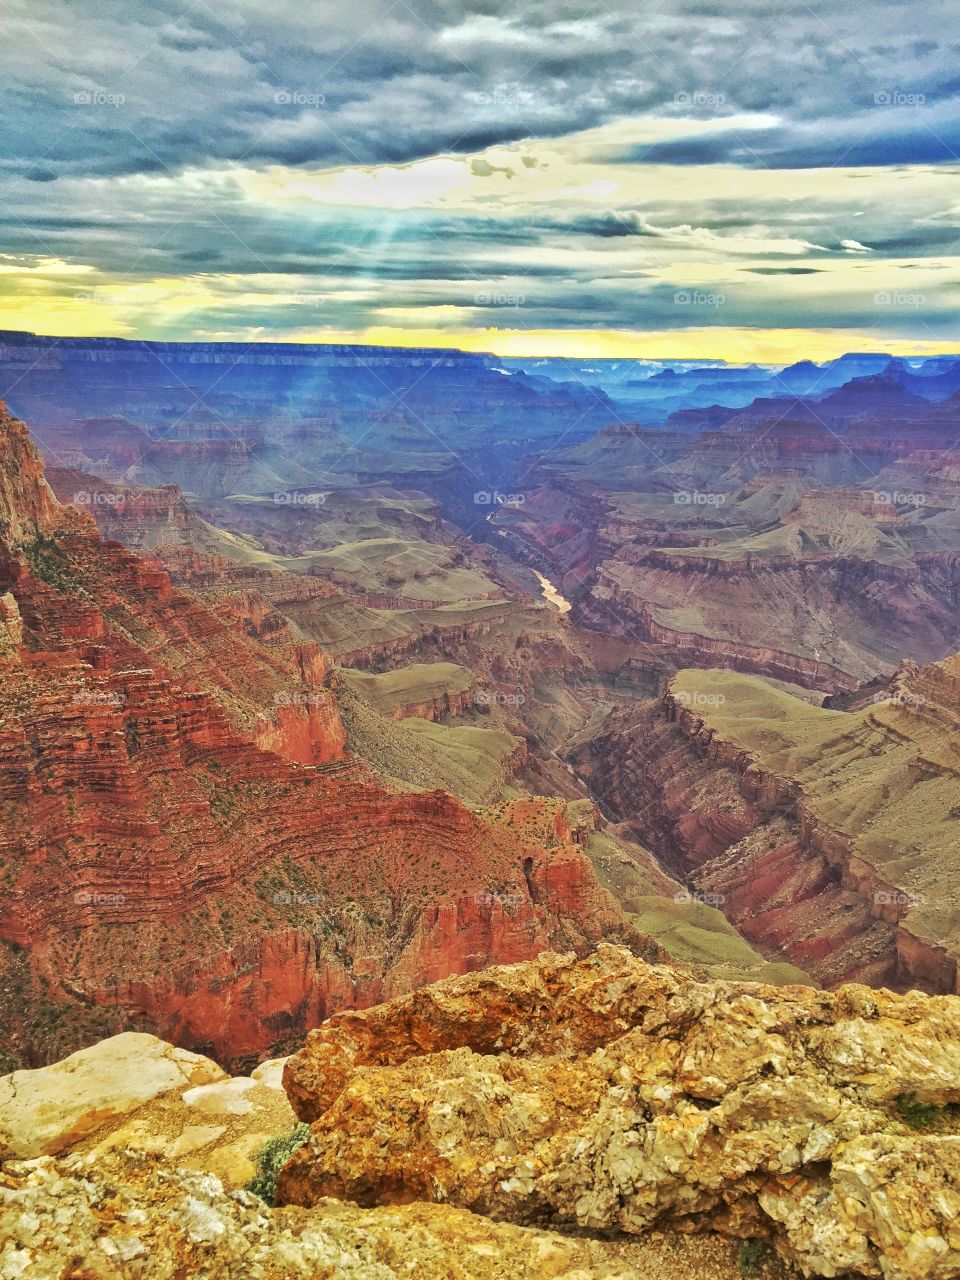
x=134, y=1092
x=49, y=1109
x=227, y=1097
x=270, y=1073
x=134, y=1218
x=610, y=1095
x=217, y=1128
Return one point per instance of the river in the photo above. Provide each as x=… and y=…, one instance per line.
x=551, y=593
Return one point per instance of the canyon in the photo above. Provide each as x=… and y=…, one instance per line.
x=302, y=714
x=187, y=843
x=242, y=696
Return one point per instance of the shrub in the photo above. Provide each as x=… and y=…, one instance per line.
x=917, y=1114
x=750, y=1256
x=49, y=562
x=271, y=1158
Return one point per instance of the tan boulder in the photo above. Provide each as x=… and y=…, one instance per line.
x=167, y=1223
x=49, y=1109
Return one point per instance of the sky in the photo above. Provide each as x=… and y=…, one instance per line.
x=727, y=179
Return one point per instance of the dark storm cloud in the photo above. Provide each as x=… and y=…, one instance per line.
x=126, y=131
x=864, y=142
x=376, y=81
x=784, y=271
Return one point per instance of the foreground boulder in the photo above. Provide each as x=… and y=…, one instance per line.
x=127, y=1217
x=138, y=1093
x=610, y=1095
x=51, y=1108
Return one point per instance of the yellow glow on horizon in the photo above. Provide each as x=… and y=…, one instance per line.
x=61, y=317
x=738, y=346
x=44, y=298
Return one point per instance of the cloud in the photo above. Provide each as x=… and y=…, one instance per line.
x=372, y=82
x=279, y=169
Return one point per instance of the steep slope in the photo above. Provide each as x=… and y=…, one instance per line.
x=829, y=835
x=185, y=845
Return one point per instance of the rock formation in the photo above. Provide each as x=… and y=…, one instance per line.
x=186, y=847
x=166, y=1222
x=827, y=834
x=145, y=1154
x=608, y=1095
x=135, y=1093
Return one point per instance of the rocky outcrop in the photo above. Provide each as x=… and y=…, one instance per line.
x=619, y=602
x=427, y=691
x=165, y=1222
x=609, y=1095
x=305, y=727
x=48, y=1110
x=27, y=505
x=135, y=1093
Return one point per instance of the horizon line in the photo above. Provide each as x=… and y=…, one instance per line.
x=462, y=345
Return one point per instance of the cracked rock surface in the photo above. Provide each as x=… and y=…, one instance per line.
x=135, y=1217
x=609, y=1095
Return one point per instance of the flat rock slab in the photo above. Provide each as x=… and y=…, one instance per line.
x=48, y=1110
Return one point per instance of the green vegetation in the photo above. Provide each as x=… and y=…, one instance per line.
x=342, y=627
x=417, y=683
x=51, y=564
x=271, y=1158
x=750, y=1257
x=401, y=566
x=690, y=929
x=917, y=1114
x=471, y=763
